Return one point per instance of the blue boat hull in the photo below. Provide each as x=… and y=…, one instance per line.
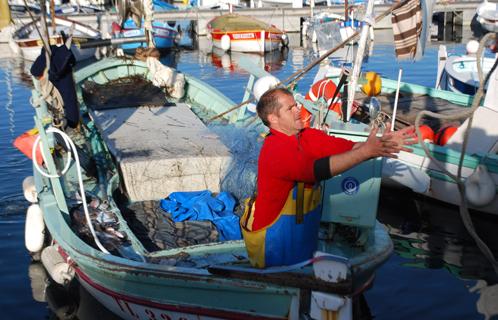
x=164, y=35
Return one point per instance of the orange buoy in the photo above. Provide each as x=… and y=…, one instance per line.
x=25, y=144
x=325, y=89
x=427, y=133
x=444, y=134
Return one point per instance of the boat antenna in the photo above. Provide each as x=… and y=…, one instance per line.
x=396, y=99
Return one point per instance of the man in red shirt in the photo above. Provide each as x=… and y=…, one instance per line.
x=291, y=156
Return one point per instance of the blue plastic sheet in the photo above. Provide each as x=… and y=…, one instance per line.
x=201, y=205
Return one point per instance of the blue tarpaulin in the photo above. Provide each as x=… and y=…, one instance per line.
x=202, y=205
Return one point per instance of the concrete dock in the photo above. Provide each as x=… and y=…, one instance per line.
x=285, y=18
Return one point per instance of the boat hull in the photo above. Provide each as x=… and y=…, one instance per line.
x=26, y=42
x=460, y=74
x=164, y=35
x=442, y=187
x=182, y=283
x=131, y=307
x=249, y=41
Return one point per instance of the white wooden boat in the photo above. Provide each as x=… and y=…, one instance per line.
x=240, y=33
x=26, y=41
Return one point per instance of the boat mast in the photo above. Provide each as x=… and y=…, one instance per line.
x=148, y=18
x=367, y=21
x=345, y=10
x=44, y=29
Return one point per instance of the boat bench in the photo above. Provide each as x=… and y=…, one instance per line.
x=160, y=150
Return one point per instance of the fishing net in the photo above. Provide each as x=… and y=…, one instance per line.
x=244, y=144
x=328, y=35
x=157, y=231
x=127, y=92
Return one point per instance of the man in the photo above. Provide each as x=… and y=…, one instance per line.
x=291, y=162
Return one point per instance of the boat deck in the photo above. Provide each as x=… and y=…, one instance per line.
x=409, y=105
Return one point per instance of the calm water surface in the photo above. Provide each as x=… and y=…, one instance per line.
x=436, y=272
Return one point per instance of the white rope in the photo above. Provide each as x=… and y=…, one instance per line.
x=70, y=146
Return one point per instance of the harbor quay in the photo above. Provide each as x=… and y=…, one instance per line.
x=284, y=18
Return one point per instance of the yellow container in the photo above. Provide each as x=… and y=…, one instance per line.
x=4, y=13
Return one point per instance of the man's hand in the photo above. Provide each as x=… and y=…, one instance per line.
x=404, y=137
x=390, y=144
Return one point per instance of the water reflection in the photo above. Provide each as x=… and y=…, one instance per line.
x=71, y=302
x=229, y=61
x=430, y=234
x=8, y=96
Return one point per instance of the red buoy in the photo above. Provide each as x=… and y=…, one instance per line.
x=444, y=134
x=325, y=89
x=427, y=133
x=25, y=144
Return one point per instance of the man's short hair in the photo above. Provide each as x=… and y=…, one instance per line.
x=270, y=104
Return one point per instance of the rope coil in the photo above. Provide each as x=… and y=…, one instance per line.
x=70, y=146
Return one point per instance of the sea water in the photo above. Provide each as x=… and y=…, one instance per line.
x=436, y=272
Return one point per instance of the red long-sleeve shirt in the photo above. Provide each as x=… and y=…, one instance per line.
x=285, y=160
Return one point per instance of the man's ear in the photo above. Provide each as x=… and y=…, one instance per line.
x=272, y=118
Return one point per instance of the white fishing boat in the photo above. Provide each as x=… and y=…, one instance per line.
x=433, y=174
x=164, y=135
x=26, y=41
x=240, y=33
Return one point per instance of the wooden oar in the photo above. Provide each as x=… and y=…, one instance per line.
x=83, y=43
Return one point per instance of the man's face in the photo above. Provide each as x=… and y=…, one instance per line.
x=288, y=118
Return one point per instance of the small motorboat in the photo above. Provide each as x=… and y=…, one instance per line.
x=240, y=33
x=459, y=73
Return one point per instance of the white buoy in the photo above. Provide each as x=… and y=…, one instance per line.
x=480, y=188
x=29, y=189
x=285, y=40
x=34, y=231
x=60, y=271
x=472, y=47
x=263, y=84
x=225, y=42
